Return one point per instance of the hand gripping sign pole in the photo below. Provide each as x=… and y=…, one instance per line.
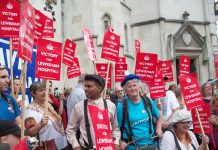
x=23, y=97
x=202, y=130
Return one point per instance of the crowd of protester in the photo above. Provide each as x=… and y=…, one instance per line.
x=136, y=121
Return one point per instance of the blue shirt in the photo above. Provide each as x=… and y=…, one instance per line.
x=139, y=121
x=8, y=113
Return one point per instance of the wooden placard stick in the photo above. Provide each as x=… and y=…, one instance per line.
x=23, y=97
x=200, y=123
x=107, y=74
x=11, y=69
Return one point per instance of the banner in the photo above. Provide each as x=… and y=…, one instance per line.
x=119, y=72
x=157, y=88
x=48, y=60
x=40, y=20
x=146, y=66
x=204, y=112
x=216, y=65
x=166, y=69
x=137, y=46
x=121, y=60
x=74, y=70
x=26, y=32
x=17, y=62
x=102, y=71
x=102, y=128
x=9, y=18
x=184, y=65
x=111, y=46
x=69, y=52
x=89, y=44
x=48, y=31
x=191, y=92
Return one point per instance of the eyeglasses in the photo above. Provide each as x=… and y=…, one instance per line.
x=186, y=123
x=120, y=91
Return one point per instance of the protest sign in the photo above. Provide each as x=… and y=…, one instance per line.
x=166, y=69
x=146, y=66
x=119, y=72
x=102, y=129
x=184, y=65
x=191, y=92
x=48, y=31
x=111, y=46
x=204, y=113
x=48, y=60
x=15, y=43
x=40, y=20
x=26, y=36
x=102, y=71
x=157, y=88
x=89, y=44
x=137, y=46
x=9, y=18
x=74, y=70
x=216, y=64
x=69, y=52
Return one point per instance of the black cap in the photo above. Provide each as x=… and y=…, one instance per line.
x=9, y=127
x=96, y=78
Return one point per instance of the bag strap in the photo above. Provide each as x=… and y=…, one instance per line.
x=175, y=139
x=90, y=145
x=146, y=102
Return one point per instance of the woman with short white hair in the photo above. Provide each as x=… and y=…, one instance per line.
x=179, y=137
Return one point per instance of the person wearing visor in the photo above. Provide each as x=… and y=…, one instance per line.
x=179, y=137
x=135, y=116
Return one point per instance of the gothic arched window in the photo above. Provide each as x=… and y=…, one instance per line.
x=106, y=21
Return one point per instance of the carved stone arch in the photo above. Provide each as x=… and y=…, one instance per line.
x=107, y=20
x=187, y=38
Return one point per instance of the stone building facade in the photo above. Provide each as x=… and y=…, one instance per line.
x=169, y=28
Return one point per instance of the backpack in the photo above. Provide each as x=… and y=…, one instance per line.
x=147, y=106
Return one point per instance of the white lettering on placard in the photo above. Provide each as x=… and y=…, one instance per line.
x=48, y=64
x=9, y=13
x=47, y=54
x=102, y=126
x=105, y=148
x=104, y=140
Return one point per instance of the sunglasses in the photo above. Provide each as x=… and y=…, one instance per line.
x=186, y=122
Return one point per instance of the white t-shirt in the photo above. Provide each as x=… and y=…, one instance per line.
x=169, y=103
x=168, y=142
x=47, y=132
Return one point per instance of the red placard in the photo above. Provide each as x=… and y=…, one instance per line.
x=191, y=92
x=216, y=64
x=48, y=60
x=146, y=66
x=48, y=31
x=204, y=113
x=69, y=52
x=119, y=72
x=26, y=37
x=74, y=70
x=184, y=65
x=102, y=129
x=89, y=44
x=157, y=88
x=9, y=18
x=40, y=19
x=102, y=71
x=137, y=46
x=15, y=43
x=121, y=60
x=166, y=69
x=111, y=46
